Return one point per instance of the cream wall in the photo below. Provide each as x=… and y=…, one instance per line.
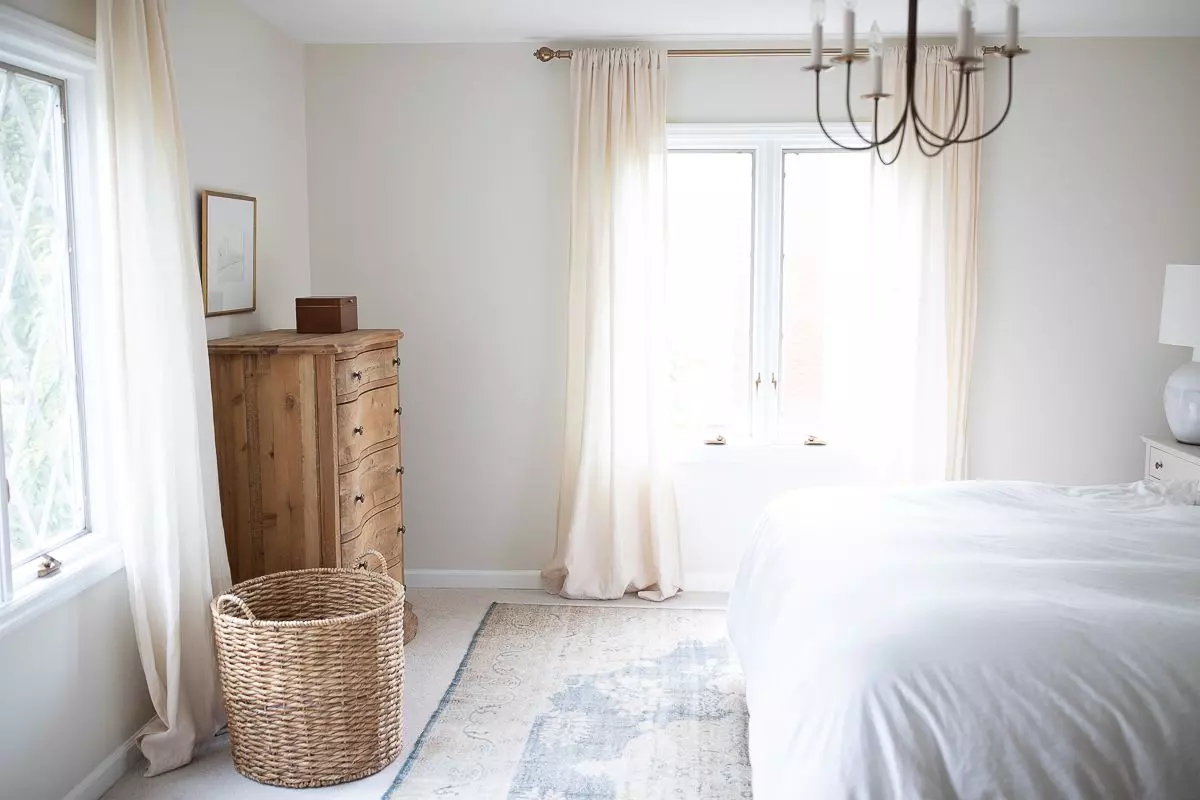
x=71, y=685
x=1091, y=188
x=71, y=693
x=241, y=96
x=77, y=16
x=439, y=179
x=438, y=191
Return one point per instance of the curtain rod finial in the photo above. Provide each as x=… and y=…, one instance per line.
x=545, y=54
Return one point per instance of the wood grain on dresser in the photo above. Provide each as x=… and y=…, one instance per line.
x=309, y=450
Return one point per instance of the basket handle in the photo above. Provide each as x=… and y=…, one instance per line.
x=238, y=603
x=362, y=560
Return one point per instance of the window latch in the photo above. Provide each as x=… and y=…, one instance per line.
x=813, y=441
x=49, y=565
x=717, y=442
x=757, y=381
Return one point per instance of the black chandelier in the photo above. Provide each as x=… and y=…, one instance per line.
x=965, y=64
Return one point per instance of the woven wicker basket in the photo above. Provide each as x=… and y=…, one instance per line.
x=312, y=664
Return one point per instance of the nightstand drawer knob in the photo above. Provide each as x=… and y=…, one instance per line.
x=1158, y=465
x=356, y=375
x=358, y=430
x=358, y=498
x=400, y=530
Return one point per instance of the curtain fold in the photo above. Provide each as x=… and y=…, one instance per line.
x=161, y=478
x=909, y=291
x=617, y=524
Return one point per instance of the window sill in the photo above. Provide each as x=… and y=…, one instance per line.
x=86, y=562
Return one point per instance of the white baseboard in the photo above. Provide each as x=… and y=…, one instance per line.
x=108, y=772
x=531, y=579
x=473, y=578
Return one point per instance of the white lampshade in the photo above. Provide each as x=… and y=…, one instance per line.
x=1181, y=306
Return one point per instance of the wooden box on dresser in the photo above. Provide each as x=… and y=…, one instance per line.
x=308, y=450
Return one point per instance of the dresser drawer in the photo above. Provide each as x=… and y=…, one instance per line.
x=370, y=420
x=373, y=366
x=376, y=482
x=382, y=531
x=1164, y=466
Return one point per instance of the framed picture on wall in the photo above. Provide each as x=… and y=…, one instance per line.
x=228, y=252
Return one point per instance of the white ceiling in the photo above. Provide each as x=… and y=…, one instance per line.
x=574, y=20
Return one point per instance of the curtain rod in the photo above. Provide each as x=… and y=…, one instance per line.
x=545, y=54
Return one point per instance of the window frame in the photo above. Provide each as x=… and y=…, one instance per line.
x=768, y=143
x=32, y=44
x=6, y=553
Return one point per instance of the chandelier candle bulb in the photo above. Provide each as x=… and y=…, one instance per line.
x=1014, y=16
x=966, y=29
x=817, y=10
x=876, y=45
x=848, y=47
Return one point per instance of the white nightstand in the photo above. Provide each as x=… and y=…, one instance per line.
x=1169, y=460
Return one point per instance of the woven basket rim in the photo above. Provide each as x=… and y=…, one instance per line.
x=231, y=619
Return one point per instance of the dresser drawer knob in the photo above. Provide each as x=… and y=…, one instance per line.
x=395, y=362
x=400, y=530
x=358, y=430
x=356, y=375
x=358, y=498
x=1158, y=465
x=399, y=470
x=399, y=411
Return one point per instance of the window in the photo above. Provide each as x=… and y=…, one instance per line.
x=759, y=221
x=45, y=77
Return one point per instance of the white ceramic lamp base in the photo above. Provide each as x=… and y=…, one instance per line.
x=1182, y=402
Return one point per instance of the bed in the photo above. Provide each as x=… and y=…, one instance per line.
x=974, y=640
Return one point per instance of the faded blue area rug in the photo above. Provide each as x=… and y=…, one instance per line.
x=587, y=703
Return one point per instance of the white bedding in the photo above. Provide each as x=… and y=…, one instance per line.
x=974, y=640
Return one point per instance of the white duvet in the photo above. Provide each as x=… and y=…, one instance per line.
x=974, y=640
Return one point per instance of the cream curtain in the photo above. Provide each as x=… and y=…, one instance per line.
x=901, y=340
x=617, y=524
x=162, y=480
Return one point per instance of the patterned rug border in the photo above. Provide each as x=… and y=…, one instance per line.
x=445, y=701
x=406, y=768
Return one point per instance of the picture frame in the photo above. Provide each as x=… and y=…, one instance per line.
x=228, y=253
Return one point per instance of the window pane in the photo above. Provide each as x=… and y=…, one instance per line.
x=38, y=384
x=822, y=235
x=710, y=257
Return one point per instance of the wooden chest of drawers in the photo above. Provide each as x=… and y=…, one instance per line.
x=308, y=450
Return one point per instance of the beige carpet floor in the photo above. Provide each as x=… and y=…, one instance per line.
x=449, y=618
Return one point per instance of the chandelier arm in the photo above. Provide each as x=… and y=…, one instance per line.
x=939, y=142
x=849, y=113
x=932, y=136
x=923, y=140
x=1004, y=116
x=967, y=113
x=821, y=122
x=902, y=129
x=898, y=130
x=957, y=130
